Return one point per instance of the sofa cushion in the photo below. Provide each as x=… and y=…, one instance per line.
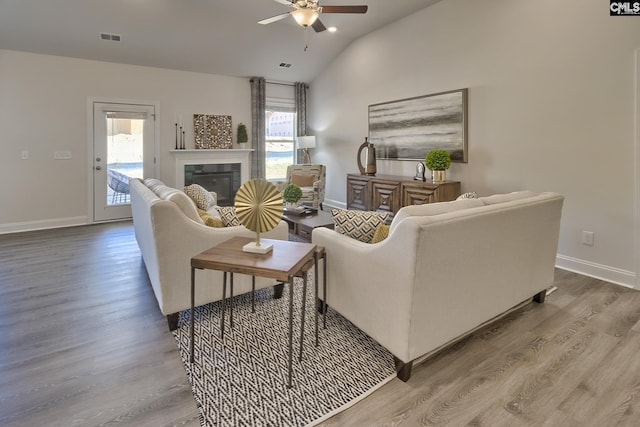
x=382, y=232
x=204, y=199
x=153, y=183
x=228, y=216
x=434, y=209
x=303, y=180
x=185, y=204
x=359, y=225
x=509, y=197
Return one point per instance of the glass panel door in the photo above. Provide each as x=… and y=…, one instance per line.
x=123, y=149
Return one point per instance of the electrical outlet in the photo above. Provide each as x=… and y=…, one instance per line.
x=587, y=238
x=24, y=155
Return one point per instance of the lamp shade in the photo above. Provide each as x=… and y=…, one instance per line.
x=306, y=142
x=305, y=17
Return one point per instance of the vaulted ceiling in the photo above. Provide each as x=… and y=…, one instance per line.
x=208, y=36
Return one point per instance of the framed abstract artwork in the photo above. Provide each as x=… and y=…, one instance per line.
x=408, y=129
x=212, y=132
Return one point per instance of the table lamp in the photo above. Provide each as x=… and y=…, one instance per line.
x=304, y=143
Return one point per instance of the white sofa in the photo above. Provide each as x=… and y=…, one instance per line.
x=444, y=270
x=169, y=232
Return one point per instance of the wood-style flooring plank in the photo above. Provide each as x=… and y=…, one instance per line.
x=567, y=362
x=84, y=344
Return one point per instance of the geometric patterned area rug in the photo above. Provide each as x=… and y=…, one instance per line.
x=242, y=380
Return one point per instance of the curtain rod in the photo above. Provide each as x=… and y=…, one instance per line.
x=284, y=83
x=279, y=83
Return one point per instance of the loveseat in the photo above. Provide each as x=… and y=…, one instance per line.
x=444, y=270
x=170, y=231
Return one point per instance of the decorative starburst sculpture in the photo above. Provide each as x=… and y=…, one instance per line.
x=259, y=207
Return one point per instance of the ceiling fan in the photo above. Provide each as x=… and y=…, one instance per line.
x=306, y=13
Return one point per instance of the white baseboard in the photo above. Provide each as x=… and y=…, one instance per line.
x=18, y=227
x=328, y=204
x=597, y=271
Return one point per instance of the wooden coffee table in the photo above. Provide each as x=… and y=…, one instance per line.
x=286, y=261
x=303, y=225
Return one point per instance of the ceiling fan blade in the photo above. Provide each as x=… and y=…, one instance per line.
x=318, y=26
x=344, y=9
x=274, y=18
x=286, y=2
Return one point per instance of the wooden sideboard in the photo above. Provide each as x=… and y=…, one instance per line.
x=389, y=193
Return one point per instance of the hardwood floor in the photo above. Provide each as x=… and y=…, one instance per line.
x=84, y=343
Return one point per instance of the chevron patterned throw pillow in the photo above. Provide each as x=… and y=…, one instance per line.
x=228, y=216
x=203, y=199
x=359, y=225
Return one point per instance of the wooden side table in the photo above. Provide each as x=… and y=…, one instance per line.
x=286, y=261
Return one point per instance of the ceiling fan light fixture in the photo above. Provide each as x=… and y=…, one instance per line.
x=305, y=17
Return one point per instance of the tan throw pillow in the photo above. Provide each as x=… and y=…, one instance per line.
x=228, y=216
x=210, y=220
x=381, y=233
x=359, y=225
x=303, y=180
x=203, y=199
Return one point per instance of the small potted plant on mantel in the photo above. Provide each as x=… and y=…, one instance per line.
x=243, y=138
x=291, y=194
x=438, y=161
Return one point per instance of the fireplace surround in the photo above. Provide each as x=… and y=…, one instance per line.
x=222, y=171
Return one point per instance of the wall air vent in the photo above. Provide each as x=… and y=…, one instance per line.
x=285, y=65
x=112, y=37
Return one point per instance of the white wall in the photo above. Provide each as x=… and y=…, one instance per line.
x=551, y=108
x=43, y=108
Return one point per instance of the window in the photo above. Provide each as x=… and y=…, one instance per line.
x=280, y=142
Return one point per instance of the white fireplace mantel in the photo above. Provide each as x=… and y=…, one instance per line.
x=209, y=157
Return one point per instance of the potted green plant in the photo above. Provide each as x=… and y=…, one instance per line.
x=291, y=194
x=243, y=138
x=438, y=161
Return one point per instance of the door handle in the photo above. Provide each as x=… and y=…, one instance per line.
x=98, y=168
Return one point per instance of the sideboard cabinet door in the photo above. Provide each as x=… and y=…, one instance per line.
x=386, y=196
x=419, y=193
x=358, y=193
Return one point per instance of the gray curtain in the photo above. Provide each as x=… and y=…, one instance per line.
x=301, y=107
x=258, y=105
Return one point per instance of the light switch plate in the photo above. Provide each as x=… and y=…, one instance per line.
x=62, y=155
